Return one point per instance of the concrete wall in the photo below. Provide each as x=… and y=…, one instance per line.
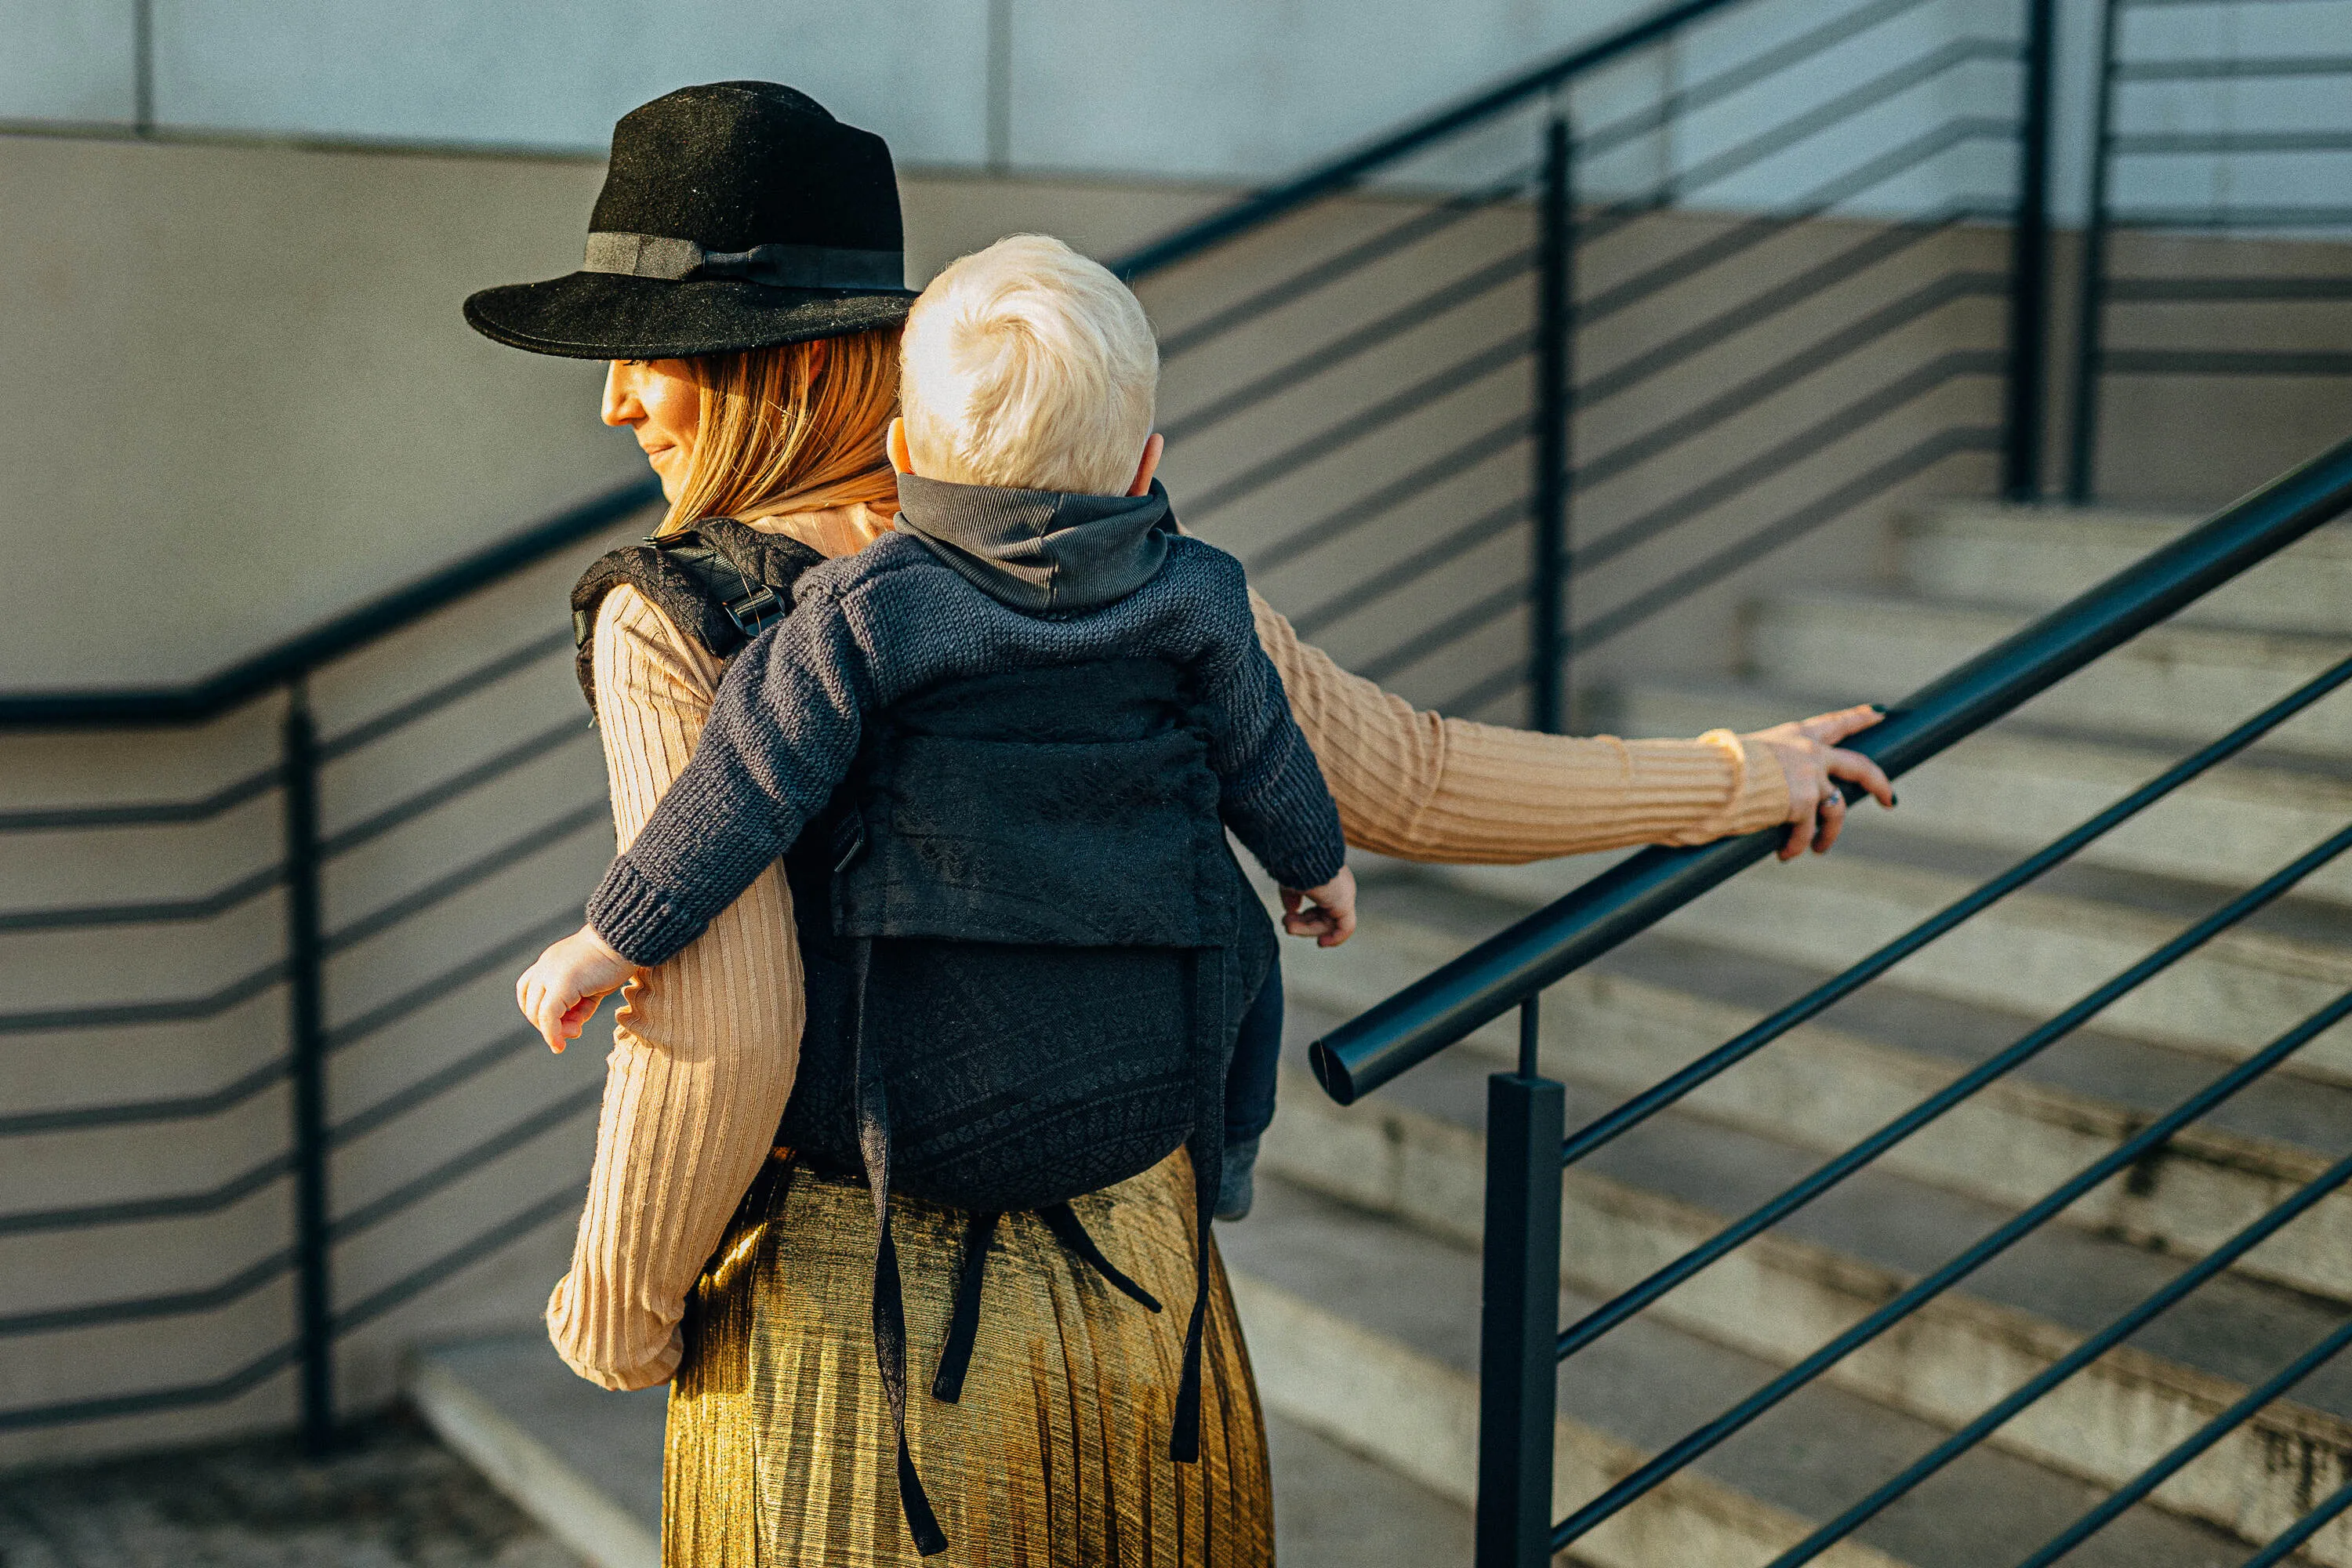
x=1223, y=91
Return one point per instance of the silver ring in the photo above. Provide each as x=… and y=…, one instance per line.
x=1833, y=797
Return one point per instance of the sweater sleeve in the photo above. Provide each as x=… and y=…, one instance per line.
x=703, y=1049
x=1419, y=787
x=779, y=737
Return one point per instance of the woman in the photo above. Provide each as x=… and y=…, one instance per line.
x=743, y=276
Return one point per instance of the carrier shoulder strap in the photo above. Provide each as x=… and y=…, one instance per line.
x=718, y=582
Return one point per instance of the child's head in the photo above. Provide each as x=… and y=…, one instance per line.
x=1030, y=367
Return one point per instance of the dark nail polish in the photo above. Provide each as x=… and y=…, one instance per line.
x=1893, y=799
x=1878, y=708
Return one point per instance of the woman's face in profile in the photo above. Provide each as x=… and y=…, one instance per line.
x=662, y=406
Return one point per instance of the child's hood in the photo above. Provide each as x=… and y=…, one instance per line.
x=1041, y=552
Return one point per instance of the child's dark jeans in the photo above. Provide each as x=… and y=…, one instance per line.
x=1249, y=1092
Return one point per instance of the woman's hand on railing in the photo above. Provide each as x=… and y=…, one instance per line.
x=1815, y=763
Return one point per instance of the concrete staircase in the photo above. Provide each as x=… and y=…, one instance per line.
x=1359, y=1272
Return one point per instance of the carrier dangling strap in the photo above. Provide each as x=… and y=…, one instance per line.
x=890, y=1310
x=1063, y=1221
x=1208, y=1152
x=955, y=1356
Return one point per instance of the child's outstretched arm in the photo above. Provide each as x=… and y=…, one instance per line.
x=1326, y=914
x=559, y=994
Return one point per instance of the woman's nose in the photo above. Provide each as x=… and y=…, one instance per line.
x=620, y=396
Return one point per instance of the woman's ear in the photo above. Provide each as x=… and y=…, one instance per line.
x=1144, y=469
x=895, y=443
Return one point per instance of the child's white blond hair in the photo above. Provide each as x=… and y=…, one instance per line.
x=1028, y=366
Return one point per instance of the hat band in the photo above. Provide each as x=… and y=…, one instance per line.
x=777, y=266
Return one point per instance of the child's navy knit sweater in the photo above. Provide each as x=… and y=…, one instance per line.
x=977, y=581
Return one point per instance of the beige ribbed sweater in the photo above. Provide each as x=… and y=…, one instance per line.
x=705, y=1045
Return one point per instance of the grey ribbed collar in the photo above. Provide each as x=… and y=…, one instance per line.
x=1042, y=552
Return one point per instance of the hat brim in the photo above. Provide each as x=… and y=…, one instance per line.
x=612, y=315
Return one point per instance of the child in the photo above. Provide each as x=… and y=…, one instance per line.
x=1026, y=457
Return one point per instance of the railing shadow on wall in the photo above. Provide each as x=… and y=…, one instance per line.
x=400, y=755
x=1645, y=320
x=2224, y=300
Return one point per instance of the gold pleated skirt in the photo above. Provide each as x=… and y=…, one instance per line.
x=781, y=1453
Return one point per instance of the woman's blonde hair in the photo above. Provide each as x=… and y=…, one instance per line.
x=803, y=423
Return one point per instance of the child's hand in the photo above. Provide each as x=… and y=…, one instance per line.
x=560, y=993
x=1332, y=920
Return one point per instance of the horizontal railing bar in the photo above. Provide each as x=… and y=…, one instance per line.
x=252, y=1375
x=2115, y=1162
x=143, y=1112
x=136, y=1211
x=2218, y=70
x=145, y=1309
x=2225, y=362
x=117, y=1014
x=410, y=1286
x=1857, y=414
x=1372, y=335
x=496, y=766
x=1750, y=233
x=1438, y=553
x=1601, y=139
x=1818, y=355
x=1881, y=90
x=431, y=1087
x=1356, y=427
x=1334, y=526
x=438, y=987
x=454, y=689
x=2165, y=143
x=2232, y=290
x=2145, y=1310
x=1792, y=526
x=152, y=814
x=2027, y=1046
x=248, y=679
x=1500, y=972
x=1606, y=1128
x=472, y=874
x=1345, y=264
x=1349, y=168
x=2234, y=217
x=1781, y=297
x=2180, y=1454
x=151, y=911
x=2302, y=1529
x=457, y=1167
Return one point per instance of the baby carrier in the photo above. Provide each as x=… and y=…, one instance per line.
x=1026, y=946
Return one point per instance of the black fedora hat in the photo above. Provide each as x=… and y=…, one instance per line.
x=735, y=215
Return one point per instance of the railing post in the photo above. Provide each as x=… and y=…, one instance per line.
x=1548, y=650
x=306, y=1020
x=1517, y=1365
x=2028, y=266
x=2091, y=286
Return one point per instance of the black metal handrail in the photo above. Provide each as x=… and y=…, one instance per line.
x=1527, y=1144
x=1517, y=964
x=296, y=656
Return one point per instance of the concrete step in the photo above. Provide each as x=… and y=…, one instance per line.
x=1661, y=1002
x=2016, y=789
x=2177, y=682
x=2038, y=557
x=1415, y=1151
x=587, y=1464
x=1366, y=1326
